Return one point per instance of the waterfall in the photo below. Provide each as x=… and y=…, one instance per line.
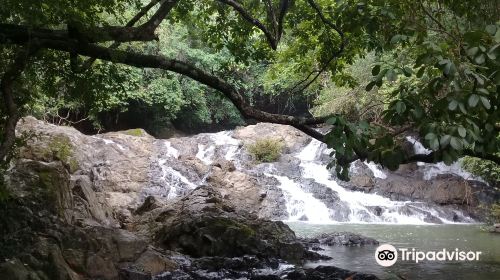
x=302, y=205
x=432, y=170
x=310, y=190
x=360, y=205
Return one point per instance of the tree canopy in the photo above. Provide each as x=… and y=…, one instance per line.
x=427, y=67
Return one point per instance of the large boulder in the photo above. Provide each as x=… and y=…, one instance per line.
x=204, y=224
x=255, y=194
x=293, y=138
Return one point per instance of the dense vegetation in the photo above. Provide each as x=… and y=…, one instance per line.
x=374, y=70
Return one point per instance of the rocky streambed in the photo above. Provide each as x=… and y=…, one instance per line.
x=124, y=205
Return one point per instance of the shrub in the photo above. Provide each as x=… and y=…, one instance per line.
x=266, y=149
x=488, y=170
x=492, y=213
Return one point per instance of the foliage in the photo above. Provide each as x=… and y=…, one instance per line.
x=443, y=80
x=266, y=149
x=434, y=69
x=485, y=169
x=353, y=102
x=495, y=213
x=492, y=213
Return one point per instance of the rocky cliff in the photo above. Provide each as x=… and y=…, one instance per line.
x=126, y=205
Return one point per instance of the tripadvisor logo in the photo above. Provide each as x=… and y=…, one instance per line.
x=387, y=255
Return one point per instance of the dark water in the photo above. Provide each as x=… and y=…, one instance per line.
x=420, y=237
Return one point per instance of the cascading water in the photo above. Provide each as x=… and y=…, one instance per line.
x=361, y=204
x=168, y=183
x=432, y=170
x=303, y=203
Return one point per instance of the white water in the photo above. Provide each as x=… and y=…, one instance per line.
x=301, y=204
x=377, y=172
x=433, y=170
x=110, y=142
x=353, y=207
x=357, y=201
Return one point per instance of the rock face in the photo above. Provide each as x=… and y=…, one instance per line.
x=409, y=183
x=204, y=224
x=124, y=205
x=124, y=168
x=85, y=207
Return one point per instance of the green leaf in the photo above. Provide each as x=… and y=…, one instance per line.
x=473, y=100
x=376, y=70
x=449, y=68
x=462, y=132
x=456, y=143
x=494, y=48
x=400, y=107
x=491, y=29
x=429, y=136
x=407, y=71
x=486, y=102
x=420, y=72
x=370, y=85
x=483, y=91
x=395, y=39
x=447, y=158
x=331, y=121
x=445, y=140
x=452, y=106
x=480, y=59
x=472, y=51
x=434, y=144
x=391, y=75
x=462, y=108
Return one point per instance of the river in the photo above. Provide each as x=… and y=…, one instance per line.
x=466, y=237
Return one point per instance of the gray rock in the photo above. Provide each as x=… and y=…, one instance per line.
x=340, y=239
x=204, y=224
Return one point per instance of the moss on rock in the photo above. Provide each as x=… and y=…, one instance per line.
x=61, y=148
x=137, y=132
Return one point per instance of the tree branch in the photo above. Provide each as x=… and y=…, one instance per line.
x=152, y=24
x=334, y=55
x=128, y=33
x=159, y=62
x=88, y=63
x=273, y=42
x=13, y=115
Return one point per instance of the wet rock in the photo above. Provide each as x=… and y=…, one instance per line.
x=48, y=182
x=331, y=272
x=256, y=194
x=257, y=269
x=340, y=239
x=14, y=270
